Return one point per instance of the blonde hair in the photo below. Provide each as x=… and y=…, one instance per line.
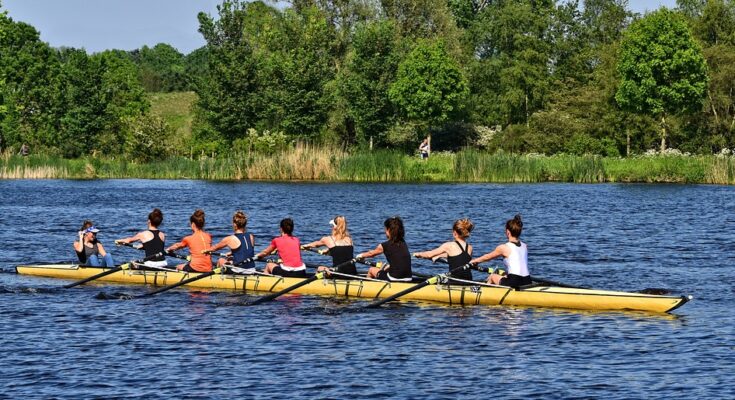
x=463, y=227
x=339, y=230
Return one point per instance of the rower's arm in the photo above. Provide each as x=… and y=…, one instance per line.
x=437, y=252
x=176, y=246
x=266, y=251
x=137, y=238
x=222, y=244
x=498, y=252
x=317, y=243
x=372, y=253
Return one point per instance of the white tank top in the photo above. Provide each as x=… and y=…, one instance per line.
x=517, y=261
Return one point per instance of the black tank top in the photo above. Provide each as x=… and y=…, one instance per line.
x=88, y=251
x=154, y=245
x=460, y=260
x=399, y=259
x=341, y=254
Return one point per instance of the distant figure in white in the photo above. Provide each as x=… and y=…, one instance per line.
x=425, y=149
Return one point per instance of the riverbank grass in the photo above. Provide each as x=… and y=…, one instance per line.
x=323, y=163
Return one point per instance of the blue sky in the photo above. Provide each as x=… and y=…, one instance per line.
x=129, y=24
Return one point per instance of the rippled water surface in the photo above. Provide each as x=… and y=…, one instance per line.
x=67, y=343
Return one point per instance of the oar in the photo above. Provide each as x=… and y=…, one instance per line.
x=111, y=271
x=316, y=277
x=430, y=281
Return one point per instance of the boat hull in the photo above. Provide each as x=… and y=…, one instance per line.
x=540, y=296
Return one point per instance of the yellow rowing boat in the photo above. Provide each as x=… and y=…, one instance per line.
x=448, y=293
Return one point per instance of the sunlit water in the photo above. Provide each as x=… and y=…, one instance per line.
x=67, y=343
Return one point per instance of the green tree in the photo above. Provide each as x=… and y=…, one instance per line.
x=512, y=45
x=371, y=68
x=228, y=103
x=122, y=97
x=29, y=70
x=430, y=86
x=161, y=68
x=662, y=68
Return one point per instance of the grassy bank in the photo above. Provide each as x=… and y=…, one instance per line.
x=307, y=163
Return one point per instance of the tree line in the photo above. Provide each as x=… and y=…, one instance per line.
x=579, y=77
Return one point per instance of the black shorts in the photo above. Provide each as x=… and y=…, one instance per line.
x=188, y=268
x=288, y=274
x=515, y=281
x=383, y=276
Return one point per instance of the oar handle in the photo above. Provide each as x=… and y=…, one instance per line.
x=126, y=244
x=218, y=254
x=313, y=250
x=179, y=256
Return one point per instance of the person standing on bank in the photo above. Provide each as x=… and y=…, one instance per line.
x=425, y=149
x=89, y=250
x=515, y=254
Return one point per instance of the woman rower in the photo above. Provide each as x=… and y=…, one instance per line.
x=396, y=252
x=515, y=254
x=152, y=240
x=457, y=252
x=89, y=249
x=197, y=242
x=240, y=243
x=339, y=246
x=289, y=249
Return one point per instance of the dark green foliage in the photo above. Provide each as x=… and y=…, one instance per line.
x=64, y=101
x=429, y=86
x=161, y=68
x=364, y=82
x=662, y=68
x=522, y=76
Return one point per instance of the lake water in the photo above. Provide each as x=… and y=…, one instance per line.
x=60, y=343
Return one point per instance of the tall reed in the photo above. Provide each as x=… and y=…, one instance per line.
x=324, y=163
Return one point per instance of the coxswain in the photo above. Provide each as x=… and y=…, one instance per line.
x=89, y=250
x=289, y=250
x=396, y=253
x=339, y=246
x=515, y=257
x=240, y=243
x=152, y=240
x=197, y=242
x=458, y=252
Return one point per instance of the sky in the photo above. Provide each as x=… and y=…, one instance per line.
x=97, y=25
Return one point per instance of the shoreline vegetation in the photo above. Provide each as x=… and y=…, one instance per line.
x=332, y=164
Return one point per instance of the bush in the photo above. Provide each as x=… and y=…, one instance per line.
x=147, y=139
x=266, y=142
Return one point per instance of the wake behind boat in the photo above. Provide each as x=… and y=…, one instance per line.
x=446, y=291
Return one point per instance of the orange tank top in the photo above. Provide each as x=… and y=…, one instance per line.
x=197, y=242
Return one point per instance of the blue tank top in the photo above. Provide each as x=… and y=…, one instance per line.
x=243, y=252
